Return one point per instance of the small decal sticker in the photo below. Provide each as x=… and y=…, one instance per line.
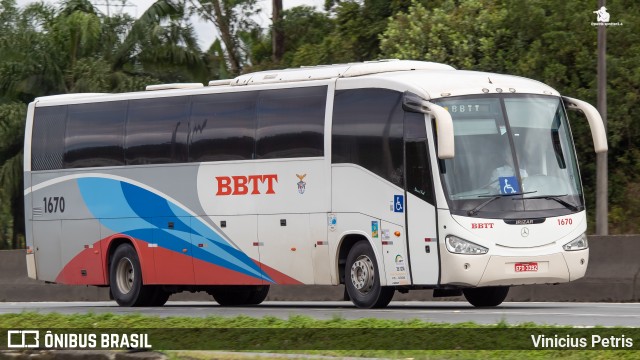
x=386, y=235
x=333, y=221
x=509, y=185
x=398, y=203
x=400, y=263
x=374, y=229
x=399, y=273
x=301, y=183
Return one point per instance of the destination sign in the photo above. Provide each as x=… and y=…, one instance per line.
x=468, y=108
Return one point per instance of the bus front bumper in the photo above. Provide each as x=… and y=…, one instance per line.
x=497, y=270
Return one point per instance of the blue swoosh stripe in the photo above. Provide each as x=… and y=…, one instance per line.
x=139, y=213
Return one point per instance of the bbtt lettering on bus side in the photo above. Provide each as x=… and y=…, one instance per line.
x=243, y=185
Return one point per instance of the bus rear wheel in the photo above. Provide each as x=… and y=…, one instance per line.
x=362, y=278
x=239, y=295
x=158, y=297
x=125, y=279
x=486, y=296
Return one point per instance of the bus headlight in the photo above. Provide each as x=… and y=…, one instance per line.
x=457, y=245
x=579, y=243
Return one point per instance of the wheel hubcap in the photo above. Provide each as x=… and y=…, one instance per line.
x=125, y=275
x=362, y=272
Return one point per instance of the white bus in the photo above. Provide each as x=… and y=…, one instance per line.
x=383, y=176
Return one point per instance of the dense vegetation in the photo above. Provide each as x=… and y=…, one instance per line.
x=70, y=46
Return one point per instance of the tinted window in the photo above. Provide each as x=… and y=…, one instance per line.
x=367, y=130
x=291, y=123
x=418, y=175
x=414, y=126
x=95, y=134
x=223, y=127
x=47, y=144
x=157, y=131
x=419, y=181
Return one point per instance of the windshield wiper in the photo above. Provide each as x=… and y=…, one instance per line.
x=475, y=210
x=557, y=199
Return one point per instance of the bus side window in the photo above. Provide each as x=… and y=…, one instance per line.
x=367, y=130
x=95, y=135
x=222, y=127
x=291, y=123
x=418, y=176
x=417, y=165
x=47, y=145
x=157, y=131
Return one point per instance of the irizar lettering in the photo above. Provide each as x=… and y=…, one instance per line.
x=246, y=185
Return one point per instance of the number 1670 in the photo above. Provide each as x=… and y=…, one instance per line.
x=53, y=204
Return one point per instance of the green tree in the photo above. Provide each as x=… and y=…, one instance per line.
x=12, y=117
x=46, y=50
x=160, y=44
x=302, y=26
x=465, y=34
x=233, y=21
x=352, y=32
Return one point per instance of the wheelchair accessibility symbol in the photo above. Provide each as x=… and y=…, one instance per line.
x=509, y=185
x=398, y=203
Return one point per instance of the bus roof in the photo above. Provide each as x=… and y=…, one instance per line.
x=320, y=72
x=437, y=84
x=433, y=79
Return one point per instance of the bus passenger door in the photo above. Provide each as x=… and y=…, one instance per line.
x=421, y=214
x=286, y=248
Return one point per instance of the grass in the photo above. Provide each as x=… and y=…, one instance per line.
x=372, y=338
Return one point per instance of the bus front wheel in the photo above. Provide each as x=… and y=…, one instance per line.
x=486, y=296
x=125, y=278
x=362, y=278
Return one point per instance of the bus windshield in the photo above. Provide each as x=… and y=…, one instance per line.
x=514, y=154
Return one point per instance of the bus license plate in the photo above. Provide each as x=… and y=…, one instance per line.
x=530, y=266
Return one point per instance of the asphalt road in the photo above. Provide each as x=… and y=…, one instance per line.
x=550, y=313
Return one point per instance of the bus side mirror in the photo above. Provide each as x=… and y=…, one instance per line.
x=595, y=122
x=444, y=123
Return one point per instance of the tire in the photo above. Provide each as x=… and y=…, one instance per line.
x=486, y=296
x=258, y=294
x=158, y=297
x=125, y=278
x=239, y=295
x=362, y=278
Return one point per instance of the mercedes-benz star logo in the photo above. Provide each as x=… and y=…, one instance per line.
x=524, y=232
